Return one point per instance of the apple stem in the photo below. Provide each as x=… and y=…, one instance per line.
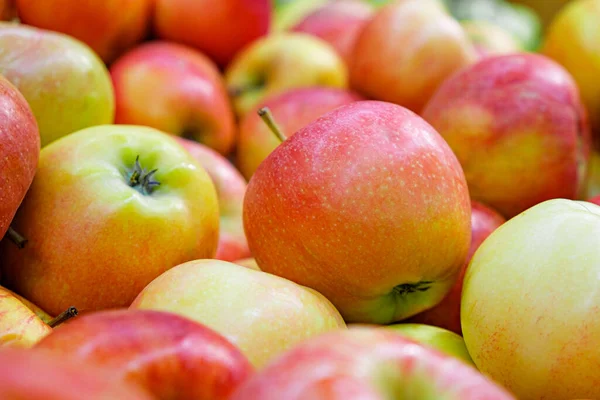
x=266, y=115
x=16, y=237
x=63, y=317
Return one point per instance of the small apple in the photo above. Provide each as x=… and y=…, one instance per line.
x=65, y=83
x=263, y=314
x=109, y=27
x=281, y=62
x=110, y=208
x=170, y=356
x=188, y=94
x=532, y=292
x=220, y=29
x=490, y=39
x=231, y=187
x=367, y=364
x=330, y=203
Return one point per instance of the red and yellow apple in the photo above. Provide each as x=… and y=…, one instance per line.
x=19, y=325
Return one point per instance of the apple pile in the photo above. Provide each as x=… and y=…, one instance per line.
x=300, y=199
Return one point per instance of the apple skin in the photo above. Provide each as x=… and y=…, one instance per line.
x=292, y=110
x=338, y=23
x=231, y=187
x=331, y=202
x=109, y=27
x=65, y=83
x=281, y=62
x=220, y=29
x=532, y=292
x=263, y=314
x=248, y=263
x=289, y=13
x=8, y=10
x=406, y=51
x=446, y=314
x=19, y=151
x=489, y=39
x=595, y=200
x=518, y=127
x=170, y=356
x=367, y=364
x=112, y=240
x=188, y=94
x=593, y=183
x=19, y=325
x=43, y=315
x=571, y=40
x=33, y=375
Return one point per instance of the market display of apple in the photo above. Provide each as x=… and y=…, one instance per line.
x=299, y=199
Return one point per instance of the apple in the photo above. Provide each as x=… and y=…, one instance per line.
x=220, y=29
x=8, y=10
x=532, y=292
x=370, y=364
x=490, y=39
x=110, y=208
x=446, y=314
x=109, y=27
x=249, y=262
x=593, y=183
x=263, y=314
x=231, y=187
x=281, y=62
x=19, y=326
x=170, y=356
x=288, y=13
x=188, y=94
x=332, y=201
x=572, y=40
x=518, y=127
x=595, y=200
x=406, y=51
x=43, y=315
x=292, y=110
x=66, y=85
x=338, y=23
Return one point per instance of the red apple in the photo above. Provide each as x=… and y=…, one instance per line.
x=171, y=356
x=218, y=28
x=367, y=205
x=292, y=110
x=338, y=23
x=368, y=364
x=8, y=10
x=519, y=129
x=231, y=187
x=446, y=314
x=109, y=27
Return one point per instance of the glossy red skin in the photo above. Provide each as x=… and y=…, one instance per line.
x=519, y=129
x=109, y=27
x=19, y=151
x=330, y=203
x=231, y=187
x=187, y=91
x=217, y=28
x=32, y=375
x=338, y=23
x=291, y=110
x=446, y=314
x=367, y=364
x=171, y=356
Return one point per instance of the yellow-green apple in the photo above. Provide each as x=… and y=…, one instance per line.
x=263, y=314
x=19, y=325
x=19, y=151
x=327, y=207
x=406, y=51
x=281, y=62
x=490, y=39
x=249, y=262
x=573, y=40
x=292, y=110
x=231, y=187
x=171, y=356
x=188, y=94
x=220, y=29
x=33, y=375
x=109, y=27
x=532, y=292
x=110, y=208
x=446, y=314
x=509, y=118
x=65, y=83
x=43, y=315
x=367, y=364
x=338, y=23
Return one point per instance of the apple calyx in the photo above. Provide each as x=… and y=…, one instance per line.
x=407, y=288
x=63, y=317
x=267, y=117
x=141, y=180
x=16, y=237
